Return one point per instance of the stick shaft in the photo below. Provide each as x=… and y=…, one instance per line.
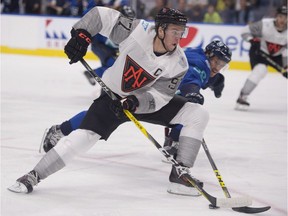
x=215, y=169
x=272, y=62
x=243, y=209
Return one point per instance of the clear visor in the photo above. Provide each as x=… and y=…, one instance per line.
x=178, y=33
x=224, y=68
x=218, y=64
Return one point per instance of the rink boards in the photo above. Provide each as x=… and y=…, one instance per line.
x=47, y=36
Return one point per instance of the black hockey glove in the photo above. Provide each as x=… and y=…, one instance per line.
x=217, y=85
x=129, y=103
x=255, y=44
x=195, y=97
x=76, y=47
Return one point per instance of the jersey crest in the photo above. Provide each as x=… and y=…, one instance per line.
x=134, y=76
x=273, y=48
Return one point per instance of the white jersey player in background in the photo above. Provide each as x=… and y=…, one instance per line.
x=268, y=36
x=145, y=77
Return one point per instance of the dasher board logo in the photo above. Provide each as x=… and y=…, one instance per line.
x=193, y=33
x=55, y=34
x=134, y=76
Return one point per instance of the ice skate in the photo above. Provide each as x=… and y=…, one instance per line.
x=90, y=78
x=51, y=137
x=169, y=145
x=242, y=103
x=180, y=187
x=25, y=183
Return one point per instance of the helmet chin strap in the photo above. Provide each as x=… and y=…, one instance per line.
x=163, y=44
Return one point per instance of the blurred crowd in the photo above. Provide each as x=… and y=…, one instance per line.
x=207, y=11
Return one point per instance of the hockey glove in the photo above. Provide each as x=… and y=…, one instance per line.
x=76, y=47
x=255, y=43
x=218, y=85
x=129, y=103
x=195, y=97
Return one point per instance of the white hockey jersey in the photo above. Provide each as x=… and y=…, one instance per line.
x=272, y=42
x=137, y=70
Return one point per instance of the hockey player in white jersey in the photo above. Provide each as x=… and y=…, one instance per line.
x=145, y=77
x=268, y=38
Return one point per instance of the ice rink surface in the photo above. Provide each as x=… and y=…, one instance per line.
x=125, y=176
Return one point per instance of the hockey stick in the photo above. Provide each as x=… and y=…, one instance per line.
x=244, y=209
x=272, y=62
x=224, y=202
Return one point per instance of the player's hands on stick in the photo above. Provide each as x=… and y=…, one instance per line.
x=129, y=103
x=76, y=47
x=195, y=97
x=255, y=42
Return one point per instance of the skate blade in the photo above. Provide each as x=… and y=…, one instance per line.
x=182, y=190
x=241, y=107
x=18, y=187
x=42, y=141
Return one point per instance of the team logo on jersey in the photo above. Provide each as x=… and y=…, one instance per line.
x=134, y=76
x=273, y=48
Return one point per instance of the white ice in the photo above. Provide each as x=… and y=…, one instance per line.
x=125, y=176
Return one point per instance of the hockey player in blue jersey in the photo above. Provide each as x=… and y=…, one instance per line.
x=204, y=68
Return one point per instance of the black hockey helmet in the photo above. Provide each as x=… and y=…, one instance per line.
x=169, y=16
x=282, y=10
x=219, y=49
x=127, y=11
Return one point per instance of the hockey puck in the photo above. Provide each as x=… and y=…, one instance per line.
x=213, y=207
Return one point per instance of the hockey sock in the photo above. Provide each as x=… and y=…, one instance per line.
x=258, y=73
x=77, y=120
x=188, y=150
x=72, y=124
x=49, y=164
x=76, y=143
x=66, y=128
x=175, y=132
x=248, y=87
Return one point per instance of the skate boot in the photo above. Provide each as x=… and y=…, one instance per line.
x=51, y=138
x=181, y=187
x=25, y=183
x=90, y=78
x=242, y=103
x=169, y=145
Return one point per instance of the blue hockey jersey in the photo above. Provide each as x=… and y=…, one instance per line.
x=199, y=70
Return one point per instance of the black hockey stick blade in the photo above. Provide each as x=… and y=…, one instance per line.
x=251, y=210
x=243, y=209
